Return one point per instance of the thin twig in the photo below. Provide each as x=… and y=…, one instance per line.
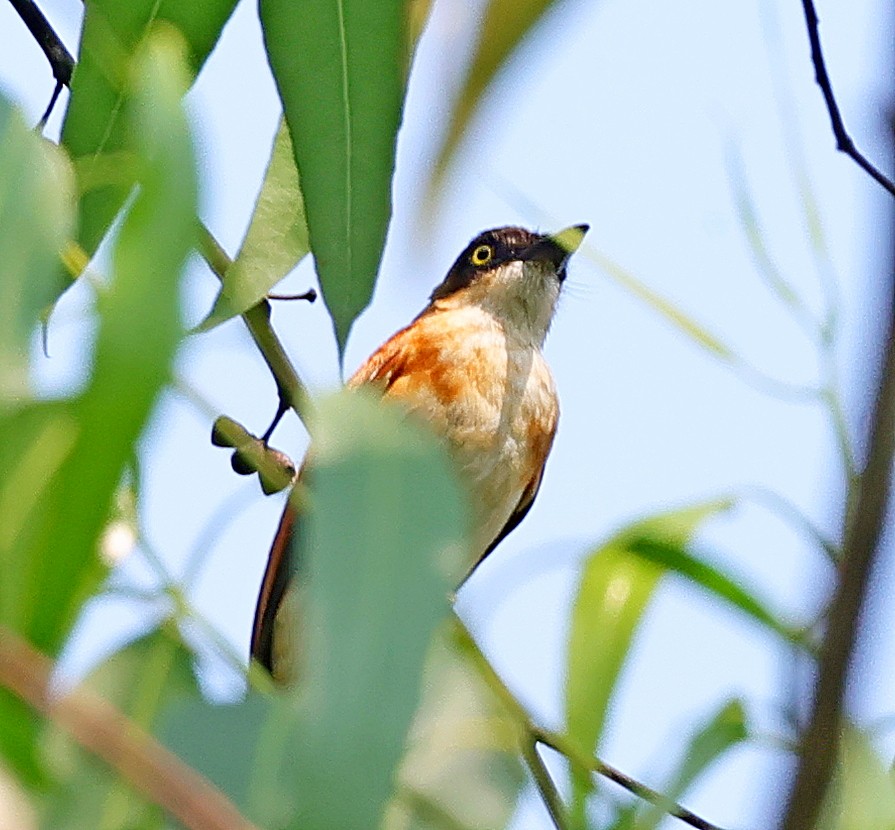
x=590, y=764
x=103, y=730
x=564, y=747
x=864, y=525
x=289, y=385
x=541, y=775
x=61, y=62
x=844, y=141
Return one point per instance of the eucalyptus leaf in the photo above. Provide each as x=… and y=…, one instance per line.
x=340, y=69
x=36, y=220
x=613, y=594
x=382, y=543
x=96, y=132
x=276, y=241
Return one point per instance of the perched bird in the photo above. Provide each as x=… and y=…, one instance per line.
x=471, y=365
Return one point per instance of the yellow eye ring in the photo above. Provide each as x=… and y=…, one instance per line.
x=482, y=255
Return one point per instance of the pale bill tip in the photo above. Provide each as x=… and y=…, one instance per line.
x=570, y=239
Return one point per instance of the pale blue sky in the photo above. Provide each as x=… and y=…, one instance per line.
x=620, y=116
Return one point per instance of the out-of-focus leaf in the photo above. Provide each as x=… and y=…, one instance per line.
x=724, y=729
x=239, y=748
x=65, y=460
x=862, y=794
x=277, y=238
x=340, y=71
x=141, y=679
x=504, y=27
x=36, y=218
x=462, y=767
x=615, y=589
x=95, y=131
x=676, y=558
x=382, y=544
x=139, y=331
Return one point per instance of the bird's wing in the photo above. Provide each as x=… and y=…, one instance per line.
x=273, y=588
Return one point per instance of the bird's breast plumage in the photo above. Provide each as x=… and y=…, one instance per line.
x=490, y=395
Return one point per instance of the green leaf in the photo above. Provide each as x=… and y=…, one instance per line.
x=726, y=728
x=340, y=68
x=862, y=794
x=505, y=26
x=277, y=238
x=95, y=131
x=239, y=748
x=615, y=589
x=139, y=680
x=462, y=767
x=65, y=459
x=676, y=558
x=36, y=219
x=383, y=543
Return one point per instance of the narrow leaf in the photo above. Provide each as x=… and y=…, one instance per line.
x=340, y=69
x=36, y=219
x=615, y=589
x=382, y=543
x=95, y=131
x=276, y=241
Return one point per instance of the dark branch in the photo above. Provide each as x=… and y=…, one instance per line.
x=844, y=142
x=598, y=767
x=61, y=61
x=864, y=525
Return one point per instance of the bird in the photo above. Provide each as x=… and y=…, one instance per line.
x=471, y=364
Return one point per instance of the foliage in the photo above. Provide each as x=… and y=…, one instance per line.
x=399, y=720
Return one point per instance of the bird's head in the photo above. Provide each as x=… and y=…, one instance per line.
x=513, y=274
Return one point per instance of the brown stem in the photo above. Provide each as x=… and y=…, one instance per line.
x=101, y=729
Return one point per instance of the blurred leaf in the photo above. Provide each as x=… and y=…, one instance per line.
x=36, y=218
x=340, y=69
x=504, y=28
x=676, y=558
x=615, y=589
x=239, y=748
x=862, y=794
x=95, y=131
x=65, y=460
x=276, y=241
x=724, y=729
x=139, y=680
x=383, y=542
x=462, y=767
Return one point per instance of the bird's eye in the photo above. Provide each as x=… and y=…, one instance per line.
x=482, y=255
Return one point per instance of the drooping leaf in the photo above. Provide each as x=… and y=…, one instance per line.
x=95, y=131
x=505, y=26
x=676, y=558
x=36, y=219
x=65, y=459
x=340, y=69
x=277, y=238
x=615, y=589
x=382, y=545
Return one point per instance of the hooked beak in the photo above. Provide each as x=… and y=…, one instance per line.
x=556, y=248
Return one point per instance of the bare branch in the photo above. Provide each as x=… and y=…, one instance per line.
x=864, y=524
x=100, y=728
x=844, y=141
